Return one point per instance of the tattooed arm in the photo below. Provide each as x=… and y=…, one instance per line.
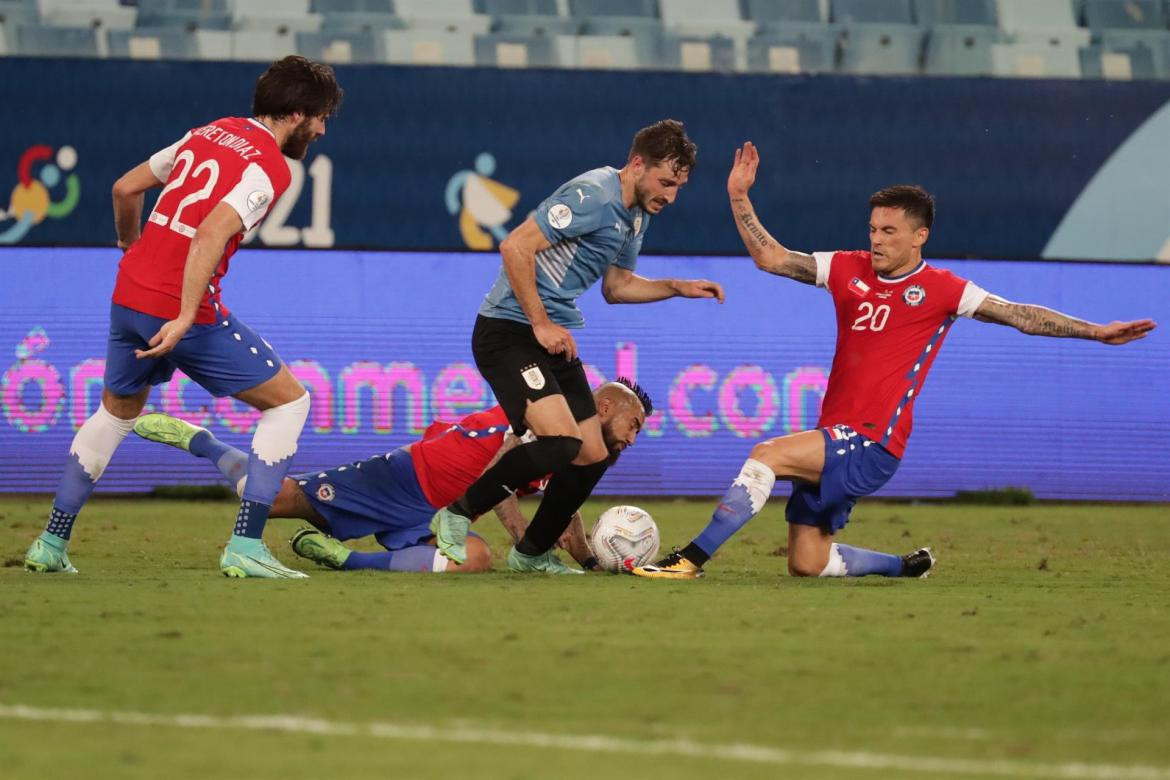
x=1039, y=321
x=768, y=253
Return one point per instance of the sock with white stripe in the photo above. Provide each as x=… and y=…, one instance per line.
x=848, y=561
x=745, y=498
x=273, y=446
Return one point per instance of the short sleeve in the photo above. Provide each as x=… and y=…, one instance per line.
x=972, y=298
x=576, y=209
x=252, y=197
x=162, y=161
x=824, y=262
x=628, y=259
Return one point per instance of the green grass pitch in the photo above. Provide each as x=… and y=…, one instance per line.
x=1040, y=647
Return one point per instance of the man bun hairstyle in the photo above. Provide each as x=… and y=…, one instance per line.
x=295, y=85
x=917, y=203
x=665, y=140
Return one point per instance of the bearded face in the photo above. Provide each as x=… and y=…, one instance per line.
x=296, y=146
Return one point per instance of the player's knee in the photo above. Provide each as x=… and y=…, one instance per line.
x=804, y=566
x=765, y=452
x=556, y=452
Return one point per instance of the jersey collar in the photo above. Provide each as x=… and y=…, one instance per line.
x=262, y=126
x=907, y=275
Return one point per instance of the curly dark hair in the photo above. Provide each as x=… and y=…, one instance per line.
x=639, y=391
x=665, y=140
x=296, y=85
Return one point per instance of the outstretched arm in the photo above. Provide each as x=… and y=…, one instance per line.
x=572, y=540
x=128, y=197
x=622, y=285
x=768, y=253
x=1040, y=321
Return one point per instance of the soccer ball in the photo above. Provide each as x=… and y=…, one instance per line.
x=624, y=537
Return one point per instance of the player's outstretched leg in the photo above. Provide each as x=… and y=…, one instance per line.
x=743, y=500
x=325, y=550
x=546, y=563
x=273, y=445
x=89, y=454
x=200, y=442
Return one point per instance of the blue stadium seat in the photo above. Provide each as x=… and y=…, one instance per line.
x=586, y=9
x=14, y=13
x=868, y=11
x=697, y=53
x=960, y=49
x=516, y=51
x=454, y=16
x=520, y=7
x=601, y=52
x=339, y=47
x=534, y=24
x=771, y=13
x=794, y=48
x=166, y=43
x=1101, y=61
x=1140, y=45
x=36, y=40
x=971, y=12
x=428, y=47
x=188, y=14
x=280, y=16
x=1125, y=15
x=352, y=7
x=887, y=49
x=90, y=13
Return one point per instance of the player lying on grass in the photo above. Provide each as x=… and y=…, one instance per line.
x=893, y=311
x=393, y=497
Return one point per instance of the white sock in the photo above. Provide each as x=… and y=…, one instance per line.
x=836, y=565
x=98, y=439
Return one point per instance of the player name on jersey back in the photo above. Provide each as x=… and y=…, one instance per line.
x=238, y=144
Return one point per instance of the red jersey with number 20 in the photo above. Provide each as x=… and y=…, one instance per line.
x=888, y=333
x=233, y=160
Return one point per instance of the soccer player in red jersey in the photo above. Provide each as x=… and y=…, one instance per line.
x=392, y=497
x=220, y=181
x=893, y=312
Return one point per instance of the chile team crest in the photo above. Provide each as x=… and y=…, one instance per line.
x=914, y=295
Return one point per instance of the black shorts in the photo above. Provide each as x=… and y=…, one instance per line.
x=519, y=370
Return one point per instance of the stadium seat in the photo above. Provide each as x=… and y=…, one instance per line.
x=1035, y=60
x=14, y=13
x=770, y=13
x=87, y=13
x=868, y=11
x=357, y=17
x=960, y=50
x=697, y=53
x=1019, y=17
x=36, y=40
x=795, y=48
x=337, y=47
x=1141, y=45
x=261, y=45
x=454, y=16
x=887, y=49
x=1101, y=62
x=188, y=14
x=969, y=12
x=705, y=18
x=598, y=52
x=428, y=47
x=588, y=9
x=1124, y=15
x=537, y=25
x=153, y=44
x=507, y=50
x=280, y=16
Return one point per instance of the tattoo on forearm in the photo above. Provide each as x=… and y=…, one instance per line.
x=1039, y=321
x=801, y=267
x=748, y=220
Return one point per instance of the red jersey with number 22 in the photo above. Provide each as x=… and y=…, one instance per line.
x=889, y=331
x=233, y=160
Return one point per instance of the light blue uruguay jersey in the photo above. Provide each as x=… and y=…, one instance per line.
x=589, y=229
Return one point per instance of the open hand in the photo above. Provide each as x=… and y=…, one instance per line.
x=1124, y=332
x=743, y=171
x=699, y=288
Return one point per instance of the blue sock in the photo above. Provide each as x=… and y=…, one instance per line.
x=418, y=558
x=73, y=491
x=60, y=525
x=743, y=500
x=860, y=562
x=251, y=518
x=232, y=463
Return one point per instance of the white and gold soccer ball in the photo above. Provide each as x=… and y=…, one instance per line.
x=624, y=537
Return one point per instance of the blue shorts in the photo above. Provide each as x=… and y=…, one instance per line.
x=854, y=467
x=379, y=497
x=223, y=358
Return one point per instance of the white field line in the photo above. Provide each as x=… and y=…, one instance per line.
x=597, y=743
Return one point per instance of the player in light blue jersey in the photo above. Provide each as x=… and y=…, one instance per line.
x=591, y=228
